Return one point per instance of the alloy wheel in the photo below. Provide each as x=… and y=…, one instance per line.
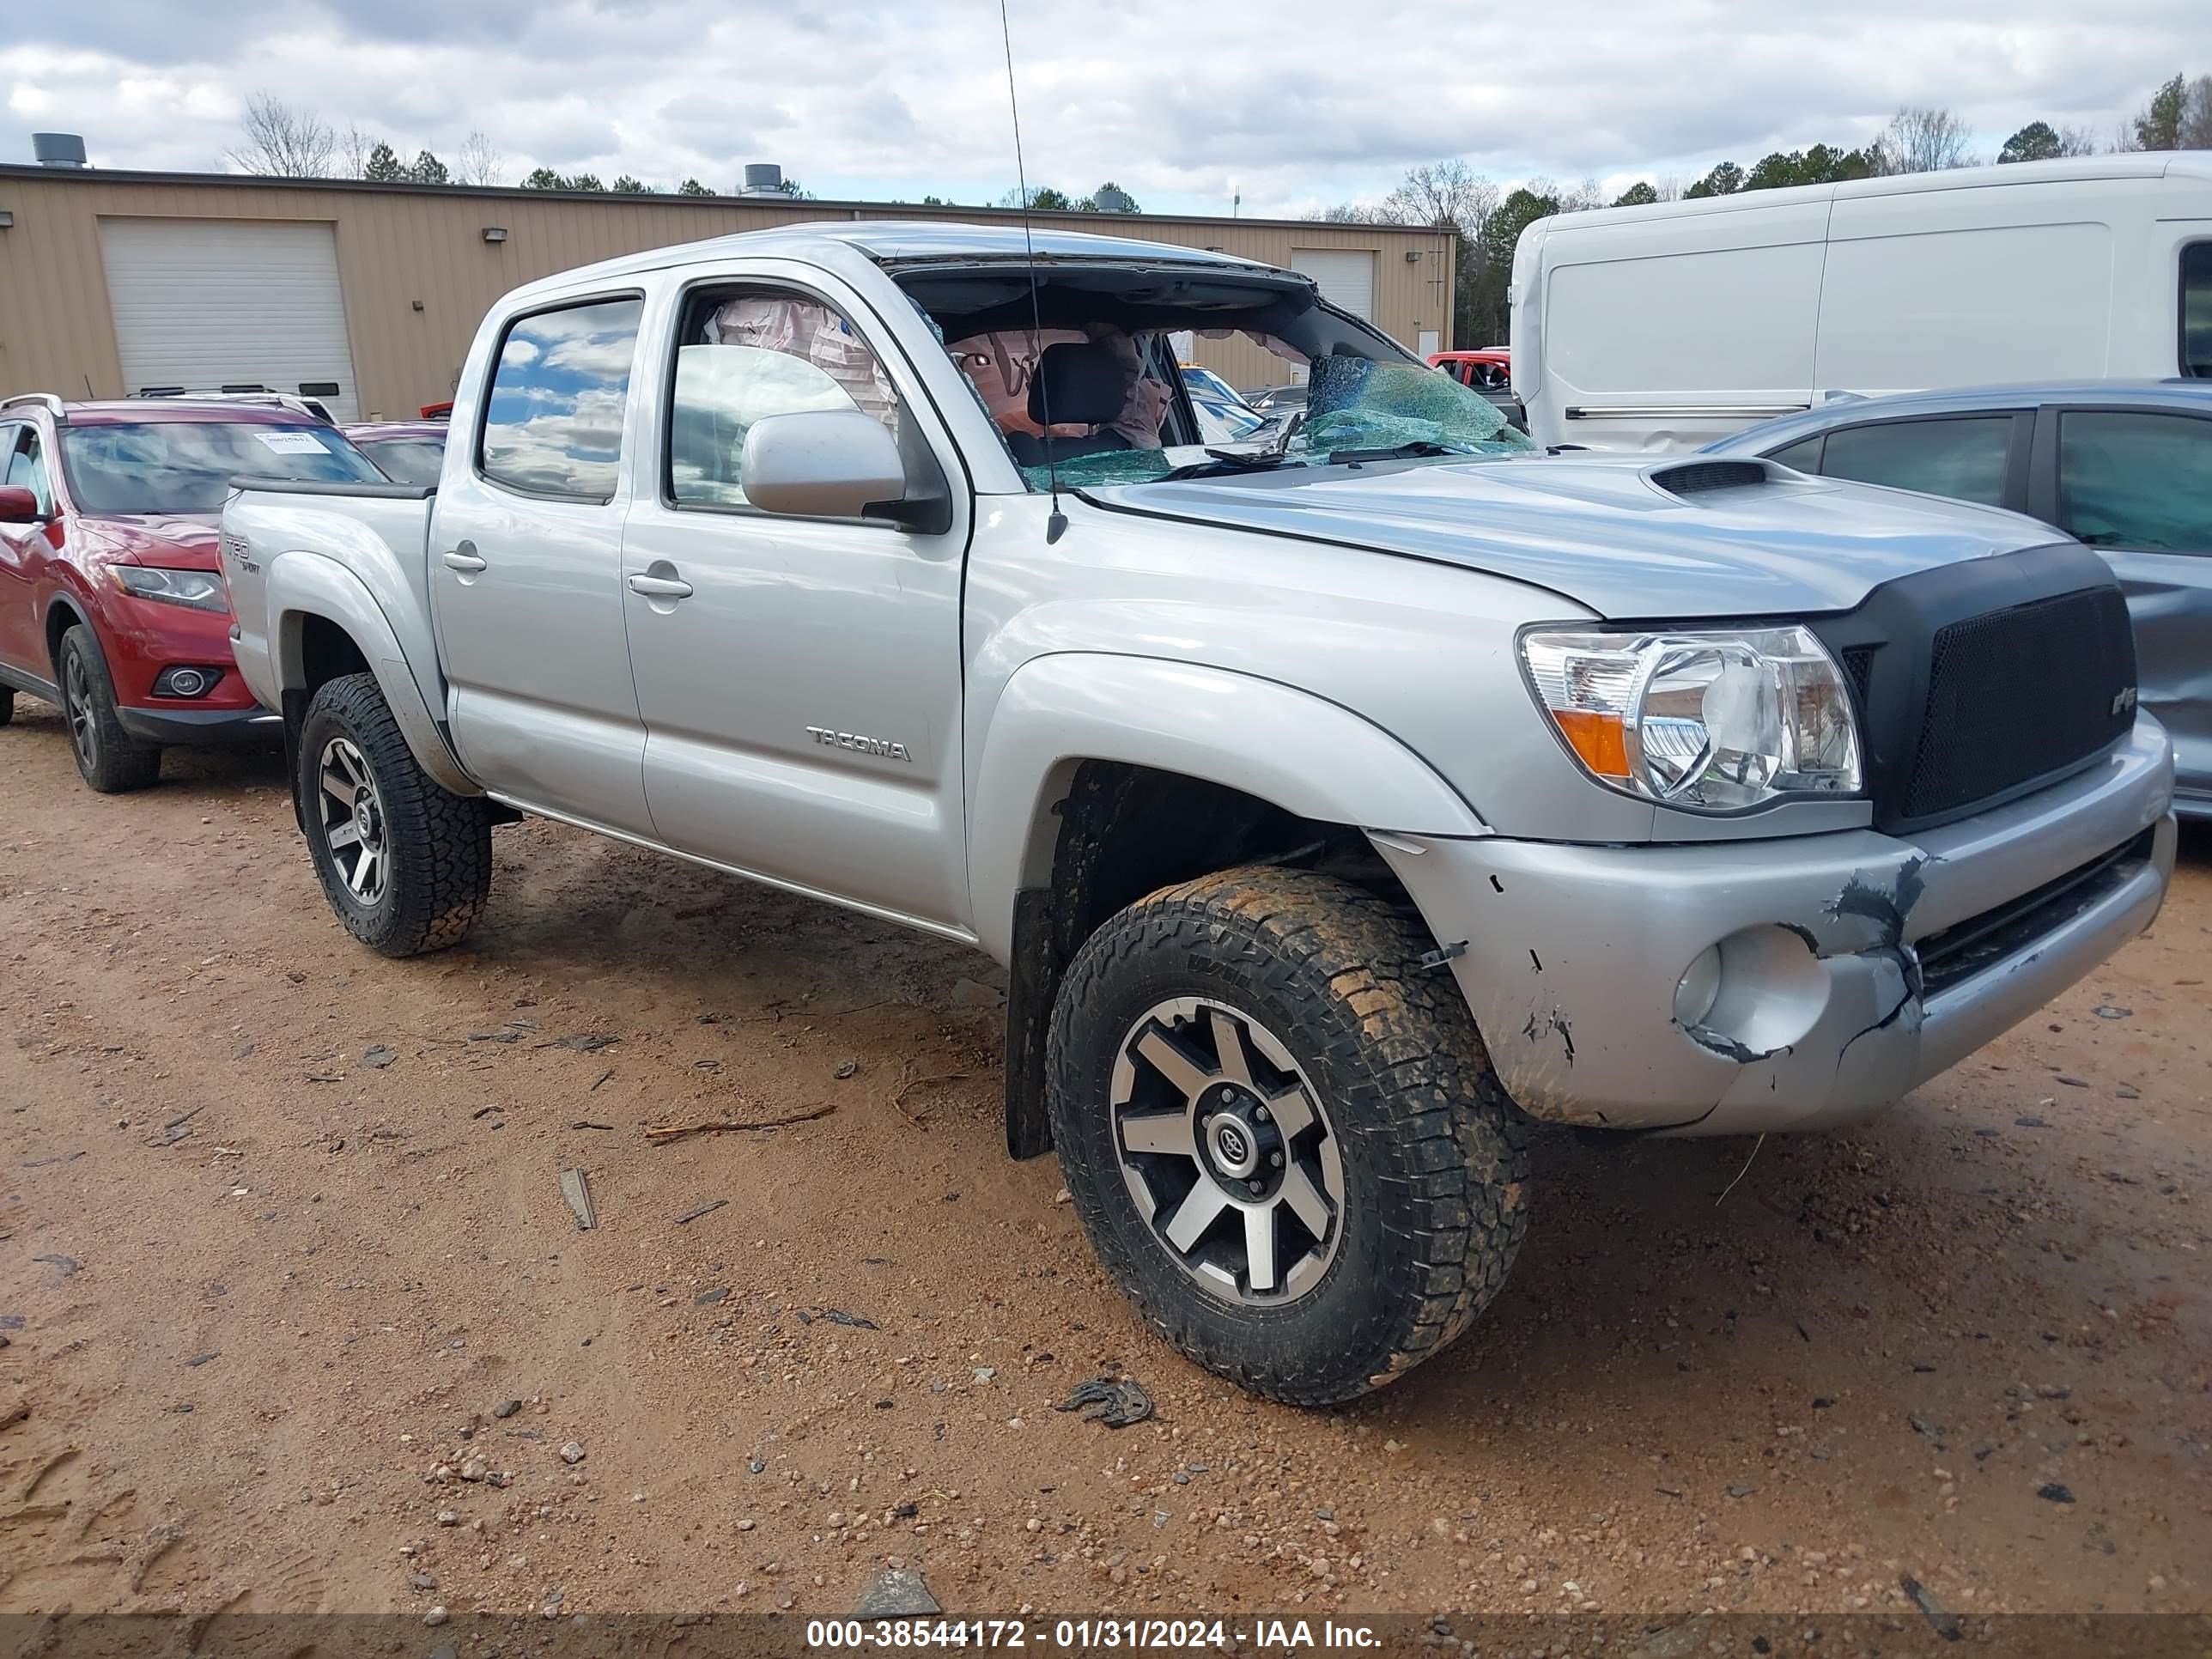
x=1227, y=1150
x=352, y=821
x=76, y=697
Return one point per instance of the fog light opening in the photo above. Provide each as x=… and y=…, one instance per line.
x=1698, y=988
x=186, y=681
x=1754, y=994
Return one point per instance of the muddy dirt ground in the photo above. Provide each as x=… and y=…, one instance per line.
x=282, y=1239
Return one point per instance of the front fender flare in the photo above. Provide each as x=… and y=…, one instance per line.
x=302, y=584
x=1284, y=746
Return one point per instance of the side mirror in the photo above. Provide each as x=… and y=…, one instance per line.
x=826, y=464
x=20, y=506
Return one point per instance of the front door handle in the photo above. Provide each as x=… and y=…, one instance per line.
x=660, y=587
x=464, y=559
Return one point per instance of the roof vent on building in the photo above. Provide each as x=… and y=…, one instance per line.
x=1112, y=198
x=762, y=179
x=57, y=149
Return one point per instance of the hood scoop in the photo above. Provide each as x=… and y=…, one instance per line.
x=1695, y=477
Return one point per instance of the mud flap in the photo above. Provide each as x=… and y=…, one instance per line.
x=295, y=714
x=1032, y=984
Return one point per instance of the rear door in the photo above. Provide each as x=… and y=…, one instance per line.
x=1968, y=287
x=1660, y=335
x=526, y=570
x=2136, y=485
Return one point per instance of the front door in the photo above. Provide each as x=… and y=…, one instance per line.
x=2136, y=485
x=527, y=577
x=24, y=550
x=798, y=678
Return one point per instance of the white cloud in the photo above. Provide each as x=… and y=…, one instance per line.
x=1179, y=103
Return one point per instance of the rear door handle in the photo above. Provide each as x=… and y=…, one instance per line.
x=659, y=587
x=464, y=559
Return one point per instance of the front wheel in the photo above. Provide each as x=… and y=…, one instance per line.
x=1282, y=1133
x=108, y=758
x=405, y=862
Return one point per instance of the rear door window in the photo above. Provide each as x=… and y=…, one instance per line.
x=553, y=424
x=2196, y=309
x=1804, y=456
x=1962, y=457
x=2132, y=479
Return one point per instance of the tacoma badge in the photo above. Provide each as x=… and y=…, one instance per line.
x=857, y=743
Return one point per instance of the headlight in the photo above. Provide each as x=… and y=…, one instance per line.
x=1709, y=722
x=203, y=589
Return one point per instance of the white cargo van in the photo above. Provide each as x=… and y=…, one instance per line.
x=1661, y=328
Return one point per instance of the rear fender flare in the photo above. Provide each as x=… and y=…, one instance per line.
x=303, y=585
x=1295, y=750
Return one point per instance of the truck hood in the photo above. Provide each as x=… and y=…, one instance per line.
x=1622, y=538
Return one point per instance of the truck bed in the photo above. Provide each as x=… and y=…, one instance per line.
x=376, y=534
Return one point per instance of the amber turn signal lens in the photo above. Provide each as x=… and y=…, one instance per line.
x=1595, y=739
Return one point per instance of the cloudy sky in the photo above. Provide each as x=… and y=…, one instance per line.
x=1294, y=103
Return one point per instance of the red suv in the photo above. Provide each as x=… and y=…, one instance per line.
x=111, y=598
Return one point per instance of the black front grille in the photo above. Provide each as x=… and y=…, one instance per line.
x=1858, y=668
x=1979, y=681
x=2017, y=694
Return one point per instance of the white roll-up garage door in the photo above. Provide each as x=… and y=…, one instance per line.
x=206, y=303
x=1346, y=276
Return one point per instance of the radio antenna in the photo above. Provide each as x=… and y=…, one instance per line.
x=1055, y=526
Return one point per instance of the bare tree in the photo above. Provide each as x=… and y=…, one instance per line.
x=479, y=163
x=2197, y=114
x=1921, y=140
x=353, y=146
x=284, y=141
x=1448, y=192
x=1347, y=213
x=1583, y=198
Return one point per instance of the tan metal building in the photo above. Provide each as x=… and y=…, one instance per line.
x=113, y=282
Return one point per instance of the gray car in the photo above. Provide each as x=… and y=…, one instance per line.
x=2124, y=465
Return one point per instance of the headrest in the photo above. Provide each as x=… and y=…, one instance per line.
x=1084, y=383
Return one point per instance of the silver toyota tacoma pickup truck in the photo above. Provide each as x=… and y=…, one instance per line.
x=1339, y=800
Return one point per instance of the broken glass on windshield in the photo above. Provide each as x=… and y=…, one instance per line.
x=1358, y=403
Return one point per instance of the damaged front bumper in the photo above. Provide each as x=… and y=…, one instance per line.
x=1851, y=966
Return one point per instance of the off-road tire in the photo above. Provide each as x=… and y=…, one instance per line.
x=108, y=758
x=1435, y=1156
x=438, y=843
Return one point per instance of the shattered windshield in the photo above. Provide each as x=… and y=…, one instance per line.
x=1125, y=372
x=1355, y=406
x=1356, y=403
